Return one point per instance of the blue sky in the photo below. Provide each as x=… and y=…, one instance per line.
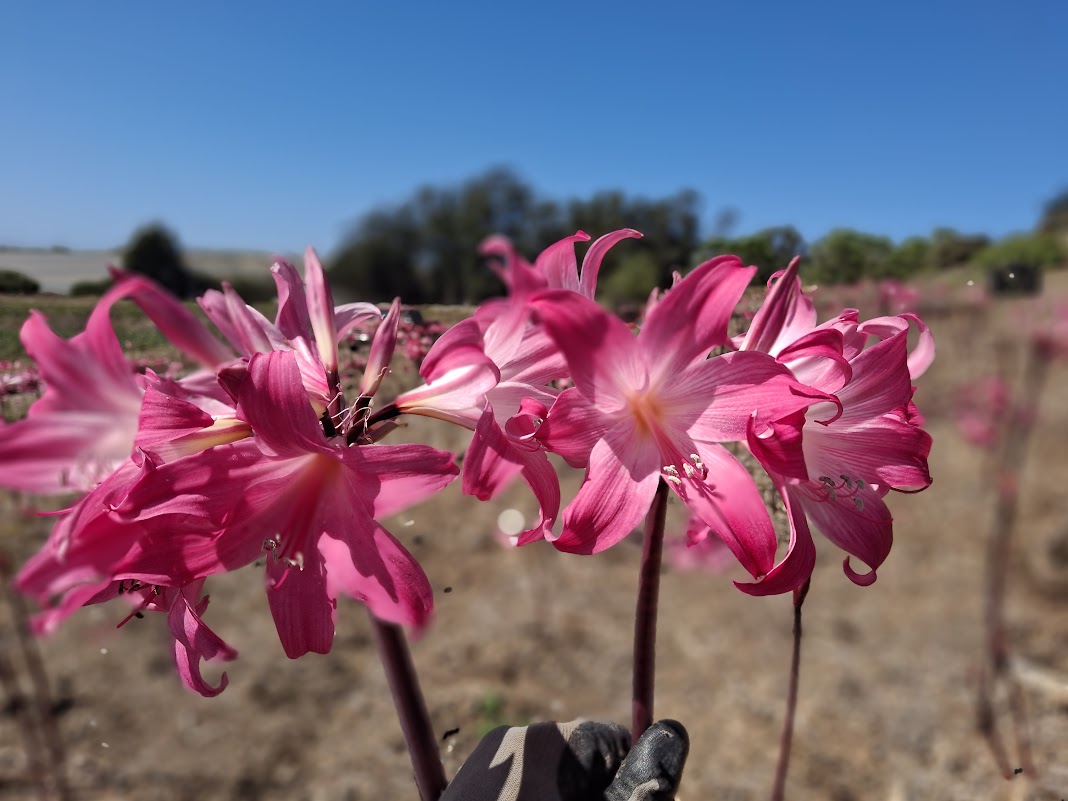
x=256, y=125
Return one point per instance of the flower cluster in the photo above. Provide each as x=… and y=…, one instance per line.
x=252, y=456
x=258, y=456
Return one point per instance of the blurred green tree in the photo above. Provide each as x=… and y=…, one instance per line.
x=1038, y=250
x=426, y=249
x=1055, y=215
x=845, y=256
x=631, y=281
x=377, y=263
x=12, y=282
x=950, y=248
x=153, y=252
x=910, y=257
x=770, y=250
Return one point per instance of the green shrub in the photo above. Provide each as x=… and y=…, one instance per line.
x=13, y=282
x=1040, y=250
x=253, y=290
x=95, y=287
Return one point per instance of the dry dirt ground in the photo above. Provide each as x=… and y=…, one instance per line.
x=889, y=674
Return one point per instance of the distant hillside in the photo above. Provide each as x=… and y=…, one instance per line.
x=57, y=270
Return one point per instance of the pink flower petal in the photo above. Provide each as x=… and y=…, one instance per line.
x=194, y=641
x=492, y=462
x=292, y=317
x=171, y=427
x=715, y=399
x=559, y=265
x=274, y=402
x=616, y=494
x=585, y=333
x=730, y=503
x=816, y=360
x=880, y=382
x=779, y=447
x=573, y=426
x=591, y=262
x=302, y=609
x=854, y=519
x=457, y=387
x=381, y=353
x=800, y=560
x=376, y=570
x=175, y=321
x=399, y=476
x=777, y=313
x=884, y=451
x=321, y=310
x=692, y=318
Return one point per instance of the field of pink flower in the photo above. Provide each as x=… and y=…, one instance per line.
x=888, y=679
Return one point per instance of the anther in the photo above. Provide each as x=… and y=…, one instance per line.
x=860, y=504
x=297, y=561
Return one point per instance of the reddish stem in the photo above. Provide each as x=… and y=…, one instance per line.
x=1015, y=438
x=787, y=739
x=414, y=719
x=42, y=694
x=645, y=614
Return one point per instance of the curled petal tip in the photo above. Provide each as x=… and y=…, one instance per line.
x=860, y=579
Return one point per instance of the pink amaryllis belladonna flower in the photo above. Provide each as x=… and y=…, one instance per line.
x=309, y=501
x=654, y=407
x=833, y=468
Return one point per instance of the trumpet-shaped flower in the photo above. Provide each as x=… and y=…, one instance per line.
x=83, y=426
x=309, y=502
x=835, y=469
x=653, y=406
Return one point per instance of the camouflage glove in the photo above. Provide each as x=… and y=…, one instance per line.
x=576, y=761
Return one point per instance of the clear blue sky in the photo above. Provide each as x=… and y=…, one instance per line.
x=258, y=125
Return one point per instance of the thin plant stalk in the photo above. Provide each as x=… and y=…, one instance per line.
x=414, y=719
x=27, y=726
x=645, y=614
x=1015, y=437
x=42, y=693
x=786, y=741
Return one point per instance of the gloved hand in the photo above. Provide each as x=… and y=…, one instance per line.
x=576, y=761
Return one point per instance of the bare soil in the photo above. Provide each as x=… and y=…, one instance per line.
x=888, y=683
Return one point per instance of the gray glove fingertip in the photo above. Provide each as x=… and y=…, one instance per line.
x=596, y=752
x=653, y=768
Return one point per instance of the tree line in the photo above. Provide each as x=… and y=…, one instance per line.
x=425, y=249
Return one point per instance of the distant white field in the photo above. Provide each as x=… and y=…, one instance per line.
x=57, y=272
